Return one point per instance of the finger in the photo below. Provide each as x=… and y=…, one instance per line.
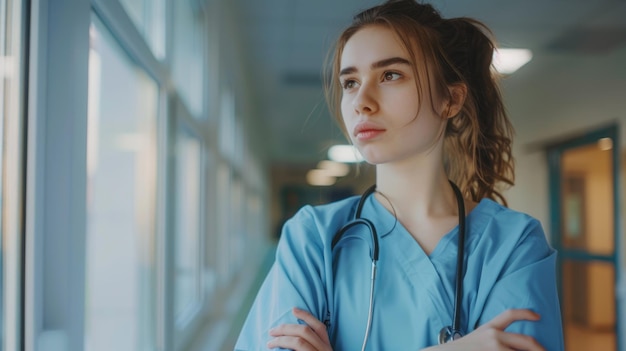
x=290, y=342
x=520, y=342
x=318, y=327
x=300, y=331
x=507, y=317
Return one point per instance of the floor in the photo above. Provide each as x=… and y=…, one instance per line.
x=221, y=334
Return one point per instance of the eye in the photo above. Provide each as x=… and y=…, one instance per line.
x=348, y=84
x=390, y=76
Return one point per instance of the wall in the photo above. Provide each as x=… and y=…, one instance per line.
x=287, y=180
x=541, y=118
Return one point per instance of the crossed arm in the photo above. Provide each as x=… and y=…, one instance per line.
x=313, y=336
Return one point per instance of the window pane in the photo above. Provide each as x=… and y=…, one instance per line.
x=236, y=237
x=121, y=166
x=223, y=222
x=11, y=175
x=188, y=225
x=7, y=70
x=149, y=18
x=188, y=56
x=227, y=124
x=210, y=229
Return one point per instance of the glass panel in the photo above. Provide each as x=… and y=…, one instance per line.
x=6, y=71
x=236, y=226
x=121, y=180
x=149, y=18
x=188, y=222
x=188, y=56
x=227, y=124
x=223, y=221
x=11, y=175
x=587, y=188
x=210, y=228
x=588, y=305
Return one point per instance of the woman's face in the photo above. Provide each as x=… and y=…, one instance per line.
x=380, y=106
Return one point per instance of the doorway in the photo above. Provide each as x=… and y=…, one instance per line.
x=584, y=224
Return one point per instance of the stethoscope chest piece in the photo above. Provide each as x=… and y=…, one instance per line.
x=447, y=334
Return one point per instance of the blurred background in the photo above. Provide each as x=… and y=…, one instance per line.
x=152, y=149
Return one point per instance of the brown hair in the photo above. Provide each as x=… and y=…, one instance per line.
x=477, y=141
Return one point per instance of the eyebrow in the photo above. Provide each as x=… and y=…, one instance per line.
x=377, y=64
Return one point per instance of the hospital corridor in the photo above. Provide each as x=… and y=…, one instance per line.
x=152, y=150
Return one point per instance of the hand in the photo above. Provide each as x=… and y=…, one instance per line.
x=491, y=335
x=311, y=336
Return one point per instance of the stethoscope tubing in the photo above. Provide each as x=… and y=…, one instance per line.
x=374, y=251
x=458, y=294
x=447, y=333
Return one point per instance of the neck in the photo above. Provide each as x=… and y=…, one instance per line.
x=417, y=189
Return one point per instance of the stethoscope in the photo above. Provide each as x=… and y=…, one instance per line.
x=448, y=333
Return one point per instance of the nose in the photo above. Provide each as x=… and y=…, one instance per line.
x=365, y=100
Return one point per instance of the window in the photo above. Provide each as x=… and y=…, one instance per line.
x=149, y=18
x=212, y=203
x=223, y=222
x=120, y=296
x=236, y=234
x=188, y=56
x=137, y=197
x=227, y=124
x=11, y=171
x=187, y=236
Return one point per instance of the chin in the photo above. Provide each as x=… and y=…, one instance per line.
x=375, y=159
x=378, y=155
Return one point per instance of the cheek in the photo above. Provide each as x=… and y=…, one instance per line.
x=346, y=112
x=409, y=102
x=402, y=102
x=344, y=106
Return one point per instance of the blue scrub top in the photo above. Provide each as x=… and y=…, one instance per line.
x=508, y=261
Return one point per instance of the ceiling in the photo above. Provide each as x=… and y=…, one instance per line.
x=287, y=42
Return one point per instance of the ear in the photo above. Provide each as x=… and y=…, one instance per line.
x=458, y=93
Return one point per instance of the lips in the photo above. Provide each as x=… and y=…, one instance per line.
x=366, y=131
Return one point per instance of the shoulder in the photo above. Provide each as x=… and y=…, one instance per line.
x=513, y=224
x=513, y=238
x=319, y=223
x=508, y=228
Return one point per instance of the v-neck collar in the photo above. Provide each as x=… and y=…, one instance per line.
x=387, y=223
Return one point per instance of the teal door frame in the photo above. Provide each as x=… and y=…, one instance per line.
x=555, y=152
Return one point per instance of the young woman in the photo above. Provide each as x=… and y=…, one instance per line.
x=416, y=94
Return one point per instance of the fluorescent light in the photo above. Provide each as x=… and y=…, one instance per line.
x=319, y=177
x=345, y=154
x=334, y=169
x=507, y=61
x=605, y=144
